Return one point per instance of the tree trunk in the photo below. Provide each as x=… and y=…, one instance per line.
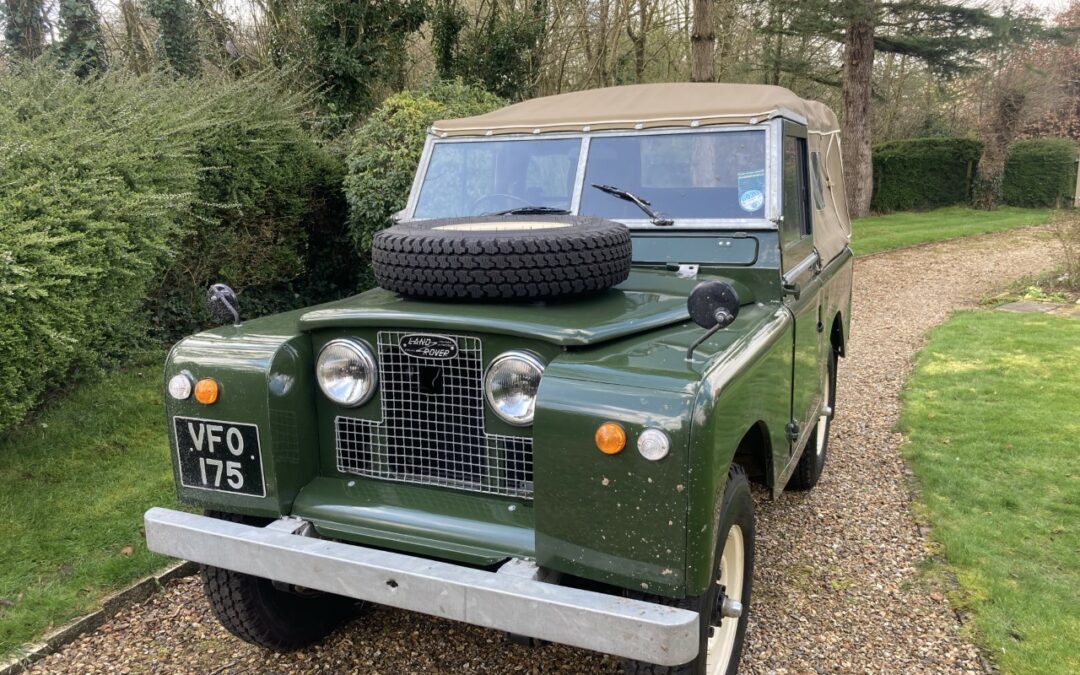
x=702, y=43
x=855, y=128
x=1000, y=130
x=25, y=27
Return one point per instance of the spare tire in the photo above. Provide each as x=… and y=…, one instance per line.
x=502, y=257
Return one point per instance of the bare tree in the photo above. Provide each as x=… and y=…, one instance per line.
x=858, y=68
x=702, y=43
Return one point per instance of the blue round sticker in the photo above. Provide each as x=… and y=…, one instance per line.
x=752, y=200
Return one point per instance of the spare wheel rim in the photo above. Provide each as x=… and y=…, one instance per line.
x=721, y=643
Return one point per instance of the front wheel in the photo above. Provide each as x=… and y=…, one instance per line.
x=725, y=607
x=262, y=613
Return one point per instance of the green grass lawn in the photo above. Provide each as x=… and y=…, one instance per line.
x=896, y=230
x=74, y=483
x=992, y=416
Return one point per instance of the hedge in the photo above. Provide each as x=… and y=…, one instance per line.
x=268, y=216
x=1040, y=173
x=124, y=188
x=385, y=151
x=923, y=173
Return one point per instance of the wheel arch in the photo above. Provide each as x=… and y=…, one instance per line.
x=754, y=452
x=836, y=334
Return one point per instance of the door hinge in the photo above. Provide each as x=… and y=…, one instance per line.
x=792, y=431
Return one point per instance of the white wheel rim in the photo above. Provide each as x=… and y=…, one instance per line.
x=823, y=421
x=732, y=569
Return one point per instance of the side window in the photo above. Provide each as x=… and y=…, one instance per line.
x=815, y=182
x=796, y=192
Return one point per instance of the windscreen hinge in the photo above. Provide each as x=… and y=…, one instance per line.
x=684, y=270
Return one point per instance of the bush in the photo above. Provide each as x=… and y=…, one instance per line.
x=95, y=176
x=122, y=196
x=386, y=149
x=923, y=173
x=1066, y=227
x=268, y=207
x=1040, y=173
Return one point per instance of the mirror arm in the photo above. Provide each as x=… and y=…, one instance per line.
x=697, y=343
x=723, y=319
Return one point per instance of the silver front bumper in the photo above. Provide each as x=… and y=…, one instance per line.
x=606, y=623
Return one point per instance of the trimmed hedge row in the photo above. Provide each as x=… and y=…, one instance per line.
x=1040, y=173
x=927, y=173
x=122, y=196
x=923, y=173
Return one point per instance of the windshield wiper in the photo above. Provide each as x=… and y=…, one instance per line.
x=642, y=204
x=532, y=211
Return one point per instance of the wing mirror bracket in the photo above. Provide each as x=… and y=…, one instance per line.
x=222, y=304
x=713, y=305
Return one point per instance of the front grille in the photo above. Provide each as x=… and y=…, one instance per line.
x=432, y=426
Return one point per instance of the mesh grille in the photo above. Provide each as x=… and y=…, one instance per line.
x=432, y=430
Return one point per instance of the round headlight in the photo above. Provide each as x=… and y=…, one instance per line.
x=346, y=372
x=510, y=385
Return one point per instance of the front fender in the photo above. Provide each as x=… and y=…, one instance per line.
x=263, y=370
x=747, y=384
x=618, y=519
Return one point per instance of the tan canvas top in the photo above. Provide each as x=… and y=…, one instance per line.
x=644, y=106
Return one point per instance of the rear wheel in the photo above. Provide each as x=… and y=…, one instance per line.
x=724, y=608
x=812, y=463
x=256, y=611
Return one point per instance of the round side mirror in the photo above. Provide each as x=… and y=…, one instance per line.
x=713, y=303
x=222, y=303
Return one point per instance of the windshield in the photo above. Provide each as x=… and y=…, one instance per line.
x=476, y=178
x=699, y=175
x=680, y=175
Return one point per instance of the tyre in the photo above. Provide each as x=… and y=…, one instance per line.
x=722, y=633
x=812, y=463
x=254, y=610
x=502, y=258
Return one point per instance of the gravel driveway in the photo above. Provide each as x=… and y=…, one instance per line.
x=836, y=587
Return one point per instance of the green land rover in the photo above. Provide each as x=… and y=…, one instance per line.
x=601, y=315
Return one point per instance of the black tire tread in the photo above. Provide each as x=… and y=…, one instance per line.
x=253, y=610
x=421, y=262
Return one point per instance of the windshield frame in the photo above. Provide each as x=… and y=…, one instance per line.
x=772, y=175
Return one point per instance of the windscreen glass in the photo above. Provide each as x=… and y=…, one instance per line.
x=486, y=177
x=683, y=175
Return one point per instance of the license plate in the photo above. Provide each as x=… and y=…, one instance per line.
x=222, y=456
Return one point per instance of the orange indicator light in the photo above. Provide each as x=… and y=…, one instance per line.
x=610, y=438
x=206, y=391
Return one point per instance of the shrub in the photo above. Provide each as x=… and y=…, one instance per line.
x=1040, y=173
x=386, y=149
x=94, y=177
x=1066, y=227
x=122, y=196
x=923, y=173
x=268, y=202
